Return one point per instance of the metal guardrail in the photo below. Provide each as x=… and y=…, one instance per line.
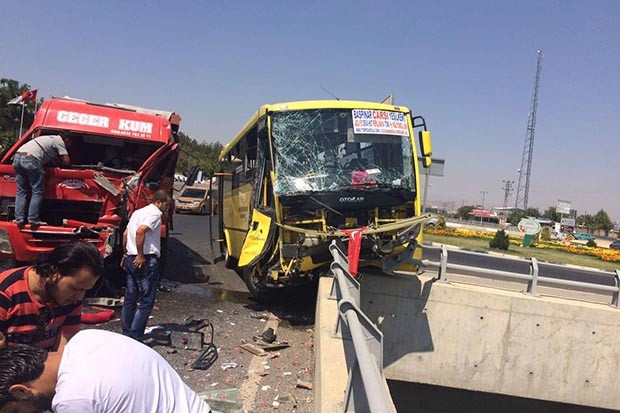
x=533, y=278
x=367, y=389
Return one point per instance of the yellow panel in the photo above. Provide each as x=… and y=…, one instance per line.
x=256, y=239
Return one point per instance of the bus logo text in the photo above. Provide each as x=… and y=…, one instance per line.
x=351, y=199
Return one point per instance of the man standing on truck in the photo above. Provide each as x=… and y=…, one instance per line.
x=142, y=242
x=28, y=162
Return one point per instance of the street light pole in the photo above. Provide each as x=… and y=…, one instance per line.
x=483, y=192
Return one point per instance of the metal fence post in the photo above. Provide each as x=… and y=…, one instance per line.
x=531, y=287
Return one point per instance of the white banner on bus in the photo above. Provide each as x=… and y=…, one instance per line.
x=381, y=122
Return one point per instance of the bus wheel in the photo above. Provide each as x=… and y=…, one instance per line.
x=253, y=280
x=229, y=261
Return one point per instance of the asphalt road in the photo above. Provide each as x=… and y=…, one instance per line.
x=238, y=380
x=200, y=288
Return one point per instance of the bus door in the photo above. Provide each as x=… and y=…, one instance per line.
x=260, y=239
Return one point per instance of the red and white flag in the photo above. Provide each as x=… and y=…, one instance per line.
x=30, y=95
x=27, y=96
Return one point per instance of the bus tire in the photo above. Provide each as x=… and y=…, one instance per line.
x=229, y=261
x=252, y=281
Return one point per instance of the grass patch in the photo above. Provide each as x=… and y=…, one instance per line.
x=546, y=255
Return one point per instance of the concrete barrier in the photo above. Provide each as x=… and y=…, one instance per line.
x=330, y=372
x=491, y=340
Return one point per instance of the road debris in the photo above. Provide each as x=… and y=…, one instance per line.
x=269, y=336
x=304, y=385
x=257, y=351
x=229, y=365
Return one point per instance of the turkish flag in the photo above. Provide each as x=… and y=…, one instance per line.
x=29, y=95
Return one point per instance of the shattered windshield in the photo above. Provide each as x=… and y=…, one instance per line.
x=330, y=150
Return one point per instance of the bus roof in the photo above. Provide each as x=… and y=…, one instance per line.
x=106, y=119
x=306, y=105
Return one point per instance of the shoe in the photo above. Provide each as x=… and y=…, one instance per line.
x=37, y=223
x=18, y=222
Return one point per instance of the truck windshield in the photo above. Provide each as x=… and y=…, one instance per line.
x=330, y=150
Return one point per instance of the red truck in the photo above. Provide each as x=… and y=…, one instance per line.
x=120, y=155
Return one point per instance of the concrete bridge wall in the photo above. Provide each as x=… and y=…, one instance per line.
x=493, y=340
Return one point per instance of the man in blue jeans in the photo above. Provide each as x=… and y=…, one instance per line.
x=142, y=245
x=28, y=163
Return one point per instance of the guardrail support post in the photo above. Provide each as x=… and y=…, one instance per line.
x=443, y=264
x=614, y=300
x=531, y=286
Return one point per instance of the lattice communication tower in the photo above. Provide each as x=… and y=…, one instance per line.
x=523, y=187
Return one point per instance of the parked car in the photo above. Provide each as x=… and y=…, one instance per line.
x=197, y=200
x=583, y=236
x=432, y=222
x=615, y=245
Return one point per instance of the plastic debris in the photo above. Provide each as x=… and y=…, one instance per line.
x=104, y=301
x=150, y=329
x=269, y=336
x=229, y=365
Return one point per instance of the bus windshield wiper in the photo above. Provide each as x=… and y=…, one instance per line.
x=324, y=205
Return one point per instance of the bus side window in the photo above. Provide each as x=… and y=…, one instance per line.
x=250, y=154
x=238, y=176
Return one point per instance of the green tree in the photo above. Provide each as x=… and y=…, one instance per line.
x=463, y=211
x=552, y=214
x=10, y=115
x=602, y=222
x=515, y=216
x=586, y=221
x=203, y=154
x=532, y=212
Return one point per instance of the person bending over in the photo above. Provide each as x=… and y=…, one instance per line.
x=97, y=372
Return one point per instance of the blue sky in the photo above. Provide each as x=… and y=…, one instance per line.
x=467, y=66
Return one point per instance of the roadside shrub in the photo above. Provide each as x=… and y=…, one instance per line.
x=500, y=241
x=590, y=243
x=441, y=222
x=545, y=234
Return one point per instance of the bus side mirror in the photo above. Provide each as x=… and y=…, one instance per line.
x=426, y=146
x=426, y=161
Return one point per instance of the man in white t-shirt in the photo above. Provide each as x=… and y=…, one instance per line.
x=97, y=372
x=141, y=263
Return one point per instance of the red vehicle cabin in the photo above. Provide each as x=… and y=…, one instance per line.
x=120, y=155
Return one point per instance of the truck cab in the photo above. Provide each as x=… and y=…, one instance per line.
x=120, y=155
